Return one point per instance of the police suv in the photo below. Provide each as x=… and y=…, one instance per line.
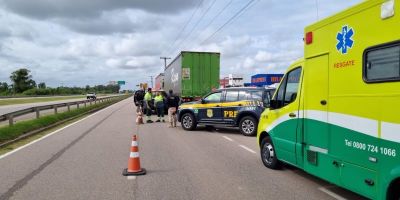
x=232, y=107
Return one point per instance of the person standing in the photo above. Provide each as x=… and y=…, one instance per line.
x=172, y=104
x=159, y=102
x=147, y=99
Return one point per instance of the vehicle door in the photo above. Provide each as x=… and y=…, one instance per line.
x=286, y=113
x=210, y=109
x=318, y=160
x=231, y=106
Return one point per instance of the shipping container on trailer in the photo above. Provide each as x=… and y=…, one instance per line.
x=191, y=75
x=159, y=82
x=336, y=112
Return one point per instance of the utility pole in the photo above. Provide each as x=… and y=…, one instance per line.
x=165, y=61
x=151, y=79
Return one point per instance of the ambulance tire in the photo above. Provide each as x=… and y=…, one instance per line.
x=393, y=193
x=268, y=154
x=188, y=122
x=248, y=126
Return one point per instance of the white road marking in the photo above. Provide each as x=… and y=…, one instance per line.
x=247, y=148
x=332, y=194
x=50, y=134
x=228, y=138
x=131, y=177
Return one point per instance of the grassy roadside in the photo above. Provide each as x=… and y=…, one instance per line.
x=15, y=145
x=11, y=132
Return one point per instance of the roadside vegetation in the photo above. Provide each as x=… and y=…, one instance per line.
x=22, y=84
x=12, y=132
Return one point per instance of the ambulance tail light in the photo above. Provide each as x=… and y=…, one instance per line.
x=309, y=37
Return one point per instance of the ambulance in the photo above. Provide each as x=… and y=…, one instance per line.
x=336, y=112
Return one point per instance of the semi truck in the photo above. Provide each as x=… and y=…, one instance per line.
x=191, y=75
x=159, y=82
x=336, y=112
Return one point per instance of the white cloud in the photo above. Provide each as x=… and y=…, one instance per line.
x=263, y=56
x=93, y=42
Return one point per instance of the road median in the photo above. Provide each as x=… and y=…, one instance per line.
x=24, y=129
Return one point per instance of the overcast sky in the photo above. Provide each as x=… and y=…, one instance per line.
x=80, y=42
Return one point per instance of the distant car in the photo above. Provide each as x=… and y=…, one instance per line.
x=231, y=107
x=91, y=95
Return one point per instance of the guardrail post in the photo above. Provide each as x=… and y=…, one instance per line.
x=84, y=104
x=10, y=120
x=55, y=109
x=37, y=110
x=90, y=102
x=77, y=105
x=68, y=107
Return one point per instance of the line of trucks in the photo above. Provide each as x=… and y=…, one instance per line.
x=335, y=113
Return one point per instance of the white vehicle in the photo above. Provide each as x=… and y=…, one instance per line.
x=91, y=95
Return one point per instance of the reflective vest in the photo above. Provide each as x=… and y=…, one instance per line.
x=158, y=98
x=147, y=96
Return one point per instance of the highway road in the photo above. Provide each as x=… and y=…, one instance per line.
x=11, y=108
x=85, y=161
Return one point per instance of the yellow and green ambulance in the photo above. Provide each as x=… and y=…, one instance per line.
x=336, y=113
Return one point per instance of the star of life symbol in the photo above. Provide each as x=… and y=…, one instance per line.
x=345, y=40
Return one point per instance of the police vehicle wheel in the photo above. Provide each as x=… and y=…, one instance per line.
x=248, y=126
x=268, y=155
x=188, y=122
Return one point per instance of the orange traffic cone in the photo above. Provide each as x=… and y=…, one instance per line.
x=134, y=168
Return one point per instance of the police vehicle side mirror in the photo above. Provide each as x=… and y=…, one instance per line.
x=203, y=101
x=273, y=104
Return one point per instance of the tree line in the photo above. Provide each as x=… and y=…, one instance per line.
x=23, y=84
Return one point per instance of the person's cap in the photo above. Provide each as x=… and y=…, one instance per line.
x=148, y=89
x=170, y=91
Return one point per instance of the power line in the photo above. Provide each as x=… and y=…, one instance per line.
x=151, y=79
x=197, y=23
x=215, y=17
x=165, y=61
x=229, y=20
x=244, y=11
x=186, y=24
x=316, y=4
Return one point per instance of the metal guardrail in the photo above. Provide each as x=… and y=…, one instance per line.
x=10, y=116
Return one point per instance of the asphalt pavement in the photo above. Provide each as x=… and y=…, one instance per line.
x=85, y=161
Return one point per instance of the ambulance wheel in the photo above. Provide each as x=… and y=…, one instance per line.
x=248, y=126
x=393, y=192
x=268, y=154
x=188, y=122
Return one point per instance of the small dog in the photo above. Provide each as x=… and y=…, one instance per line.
x=139, y=118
